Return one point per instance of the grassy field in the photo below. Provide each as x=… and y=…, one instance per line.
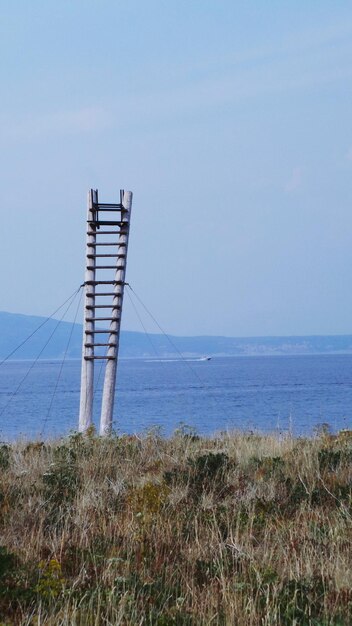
x=237, y=529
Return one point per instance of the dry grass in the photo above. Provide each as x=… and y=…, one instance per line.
x=239, y=529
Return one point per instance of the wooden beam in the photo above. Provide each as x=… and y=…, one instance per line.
x=112, y=354
x=87, y=371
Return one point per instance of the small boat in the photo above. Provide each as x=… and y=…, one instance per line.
x=205, y=358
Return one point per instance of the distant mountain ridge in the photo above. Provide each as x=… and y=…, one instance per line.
x=15, y=328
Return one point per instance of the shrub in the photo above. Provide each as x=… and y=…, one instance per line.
x=149, y=498
x=51, y=581
x=4, y=456
x=7, y=562
x=62, y=479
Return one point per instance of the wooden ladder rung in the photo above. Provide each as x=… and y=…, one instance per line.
x=103, y=306
x=104, y=267
x=106, y=223
x=92, y=358
x=92, y=345
x=102, y=256
x=109, y=205
x=101, y=319
x=102, y=282
x=100, y=331
x=105, y=243
x=105, y=256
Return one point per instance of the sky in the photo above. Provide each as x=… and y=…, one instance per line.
x=231, y=123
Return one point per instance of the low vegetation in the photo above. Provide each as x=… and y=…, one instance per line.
x=236, y=529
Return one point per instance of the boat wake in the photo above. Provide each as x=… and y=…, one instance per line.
x=194, y=360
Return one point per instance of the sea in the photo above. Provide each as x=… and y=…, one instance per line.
x=271, y=394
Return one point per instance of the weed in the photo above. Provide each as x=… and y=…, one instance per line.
x=149, y=498
x=146, y=530
x=51, y=580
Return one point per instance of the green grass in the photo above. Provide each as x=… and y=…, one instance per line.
x=238, y=529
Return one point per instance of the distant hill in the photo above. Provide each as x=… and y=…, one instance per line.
x=51, y=340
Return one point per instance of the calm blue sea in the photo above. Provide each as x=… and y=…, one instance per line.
x=272, y=393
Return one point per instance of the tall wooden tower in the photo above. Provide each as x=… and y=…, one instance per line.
x=107, y=242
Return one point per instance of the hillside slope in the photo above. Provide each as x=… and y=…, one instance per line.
x=52, y=338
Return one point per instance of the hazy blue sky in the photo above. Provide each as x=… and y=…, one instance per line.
x=231, y=121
